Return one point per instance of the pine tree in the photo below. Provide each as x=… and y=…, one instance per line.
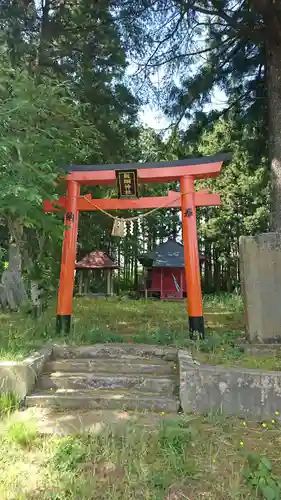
x=209, y=43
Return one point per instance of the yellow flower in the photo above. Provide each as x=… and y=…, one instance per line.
x=241, y=443
x=162, y=413
x=244, y=423
x=264, y=424
x=273, y=421
x=277, y=413
x=214, y=461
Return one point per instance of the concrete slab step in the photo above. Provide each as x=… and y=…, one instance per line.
x=145, y=383
x=103, y=400
x=128, y=365
x=51, y=421
x=115, y=351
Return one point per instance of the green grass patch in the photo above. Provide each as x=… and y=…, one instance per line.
x=138, y=321
x=9, y=402
x=202, y=458
x=114, y=320
x=22, y=433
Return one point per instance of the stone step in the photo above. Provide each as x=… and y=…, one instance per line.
x=115, y=351
x=130, y=365
x=93, y=381
x=52, y=421
x=103, y=400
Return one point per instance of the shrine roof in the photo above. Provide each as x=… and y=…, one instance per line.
x=222, y=157
x=168, y=254
x=96, y=260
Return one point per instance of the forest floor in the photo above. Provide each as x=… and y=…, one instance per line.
x=138, y=321
x=190, y=457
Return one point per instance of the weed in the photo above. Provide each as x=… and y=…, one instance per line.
x=162, y=337
x=9, y=402
x=224, y=302
x=22, y=433
x=96, y=336
x=260, y=476
x=69, y=454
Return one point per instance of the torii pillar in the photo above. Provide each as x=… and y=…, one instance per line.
x=68, y=258
x=191, y=260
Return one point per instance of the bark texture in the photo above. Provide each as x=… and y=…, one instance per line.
x=12, y=291
x=274, y=122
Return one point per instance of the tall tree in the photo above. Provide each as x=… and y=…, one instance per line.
x=42, y=128
x=78, y=42
x=244, y=189
x=209, y=43
x=75, y=46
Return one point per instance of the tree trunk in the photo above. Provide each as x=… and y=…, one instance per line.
x=217, y=271
x=135, y=253
x=12, y=290
x=207, y=268
x=273, y=73
x=119, y=269
x=228, y=277
x=35, y=294
x=44, y=35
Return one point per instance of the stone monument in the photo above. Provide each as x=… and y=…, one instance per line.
x=260, y=265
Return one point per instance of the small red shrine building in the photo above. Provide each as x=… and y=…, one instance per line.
x=164, y=271
x=103, y=266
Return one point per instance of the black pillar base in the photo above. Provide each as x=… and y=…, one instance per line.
x=196, y=327
x=63, y=323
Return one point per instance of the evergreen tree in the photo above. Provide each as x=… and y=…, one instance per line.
x=209, y=43
x=244, y=188
x=75, y=51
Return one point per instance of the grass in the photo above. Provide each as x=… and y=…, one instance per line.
x=193, y=458
x=152, y=322
x=9, y=402
x=21, y=433
x=196, y=458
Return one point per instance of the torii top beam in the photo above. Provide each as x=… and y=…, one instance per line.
x=86, y=203
x=198, y=168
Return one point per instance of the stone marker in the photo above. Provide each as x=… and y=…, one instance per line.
x=260, y=262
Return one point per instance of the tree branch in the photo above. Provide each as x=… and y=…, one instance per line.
x=161, y=42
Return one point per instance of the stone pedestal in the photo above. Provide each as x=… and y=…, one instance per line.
x=260, y=263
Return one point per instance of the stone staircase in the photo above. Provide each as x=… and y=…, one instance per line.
x=109, y=377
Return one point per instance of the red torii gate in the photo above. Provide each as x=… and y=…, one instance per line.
x=185, y=171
